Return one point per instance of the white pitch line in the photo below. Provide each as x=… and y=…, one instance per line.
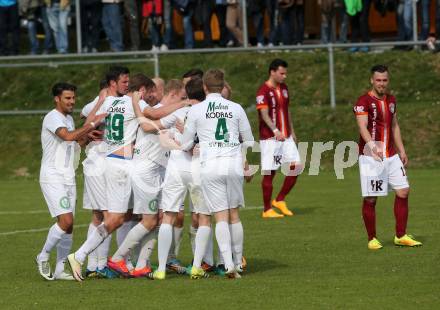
x=8, y=233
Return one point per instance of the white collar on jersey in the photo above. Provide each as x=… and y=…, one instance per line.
x=213, y=95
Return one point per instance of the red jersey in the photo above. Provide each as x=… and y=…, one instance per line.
x=277, y=101
x=380, y=114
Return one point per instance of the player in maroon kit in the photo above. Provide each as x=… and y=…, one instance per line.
x=382, y=157
x=277, y=138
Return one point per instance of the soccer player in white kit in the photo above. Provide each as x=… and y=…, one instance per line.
x=220, y=124
x=149, y=159
x=120, y=134
x=57, y=176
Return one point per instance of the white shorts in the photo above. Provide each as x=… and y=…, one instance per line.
x=146, y=181
x=118, y=184
x=222, y=184
x=60, y=198
x=94, y=193
x=379, y=177
x=175, y=187
x=275, y=153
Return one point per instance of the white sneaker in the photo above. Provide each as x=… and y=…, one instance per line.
x=44, y=269
x=163, y=48
x=230, y=43
x=232, y=274
x=76, y=267
x=260, y=45
x=155, y=49
x=64, y=276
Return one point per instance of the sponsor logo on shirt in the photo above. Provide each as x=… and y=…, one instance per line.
x=217, y=110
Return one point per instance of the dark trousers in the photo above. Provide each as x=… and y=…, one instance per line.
x=359, y=24
x=9, y=23
x=220, y=12
x=207, y=9
x=292, y=24
x=91, y=24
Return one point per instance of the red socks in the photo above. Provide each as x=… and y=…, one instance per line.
x=289, y=183
x=401, y=215
x=267, y=187
x=369, y=215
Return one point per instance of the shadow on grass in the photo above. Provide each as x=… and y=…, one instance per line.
x=258, y=265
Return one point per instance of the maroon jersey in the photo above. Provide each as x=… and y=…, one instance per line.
x=277, y=101
x=380, y=114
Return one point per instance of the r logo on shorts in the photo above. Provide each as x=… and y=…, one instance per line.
x=153, y=205
x=65, y=203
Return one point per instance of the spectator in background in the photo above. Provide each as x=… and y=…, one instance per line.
x=57, y=14
x=273, y=12
x=9, y=24
x=220, y=12
x=256, y=10
x=404, y=23
x=168, y=25
x=359, y=22
x=234, y=20
x=112, y=24
x=207, y=8
x=425, y=6
x=131, y=13
x=152, y=11
x=292, y=21
x=330, y=9
x=91, y=11
x=30, y=11
x=186, y=9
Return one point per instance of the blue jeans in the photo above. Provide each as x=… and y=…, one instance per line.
x=404, y=12
x=154, y=32
x=167, y=18
x=258, y=25
x=272, y=11
x=111, y=22
x=32, y=35
x=58, y=23
x=48, y=43
x=425, y=14
x=188, y=30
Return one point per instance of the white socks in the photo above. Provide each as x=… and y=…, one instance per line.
x=223, y=237
x=92, y=259
x=53, y=237
x=192, y=238
x=147, y=247
x=164, y=240
x=236, y=230
x=177, y=235
x=209, y=253
x=63, y=249
x=122, y=232
x=102, y=252
x=95, y=239
x=202, y=239
x=134, y=236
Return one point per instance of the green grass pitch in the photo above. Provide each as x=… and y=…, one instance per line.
x=317, y=259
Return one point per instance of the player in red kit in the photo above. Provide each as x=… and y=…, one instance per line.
x=382, y=158
x=277, y=138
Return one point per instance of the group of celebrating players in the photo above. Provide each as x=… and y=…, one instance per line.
x=148, y=144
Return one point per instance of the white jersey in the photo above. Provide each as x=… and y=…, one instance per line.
x=219, y=124
x=89, y=107
x=121, y=123
x=148, y=145
x=57, y=163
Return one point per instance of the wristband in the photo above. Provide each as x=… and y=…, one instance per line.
x=93, y=124
x=275, y=130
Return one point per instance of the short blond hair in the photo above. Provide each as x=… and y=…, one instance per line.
x=173, y=85
x=214, y=80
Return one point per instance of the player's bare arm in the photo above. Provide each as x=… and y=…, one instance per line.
x=362, y=122
x=163, y=111
x=145, y=123
x=264, y=112
x=79, y=133
x=291, y=128
x=398, y=142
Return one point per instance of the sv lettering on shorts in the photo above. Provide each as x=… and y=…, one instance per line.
x=153, y=205
x=376, y=185
x=277, y=159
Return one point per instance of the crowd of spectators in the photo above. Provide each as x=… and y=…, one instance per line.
x=127, y=24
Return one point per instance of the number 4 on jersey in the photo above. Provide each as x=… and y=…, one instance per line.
x=221, y=132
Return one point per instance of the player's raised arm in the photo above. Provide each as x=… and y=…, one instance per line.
x=145, y=123
x=158, y=113
x=398, y=142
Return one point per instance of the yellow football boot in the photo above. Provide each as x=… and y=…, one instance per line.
x=407, y=240
x=374, y=244
x=281, y=205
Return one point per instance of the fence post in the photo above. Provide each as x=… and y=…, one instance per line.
x=78, y=27
x=156, y=65
x=245, y=25
x=331, y=72
x=414, y=20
